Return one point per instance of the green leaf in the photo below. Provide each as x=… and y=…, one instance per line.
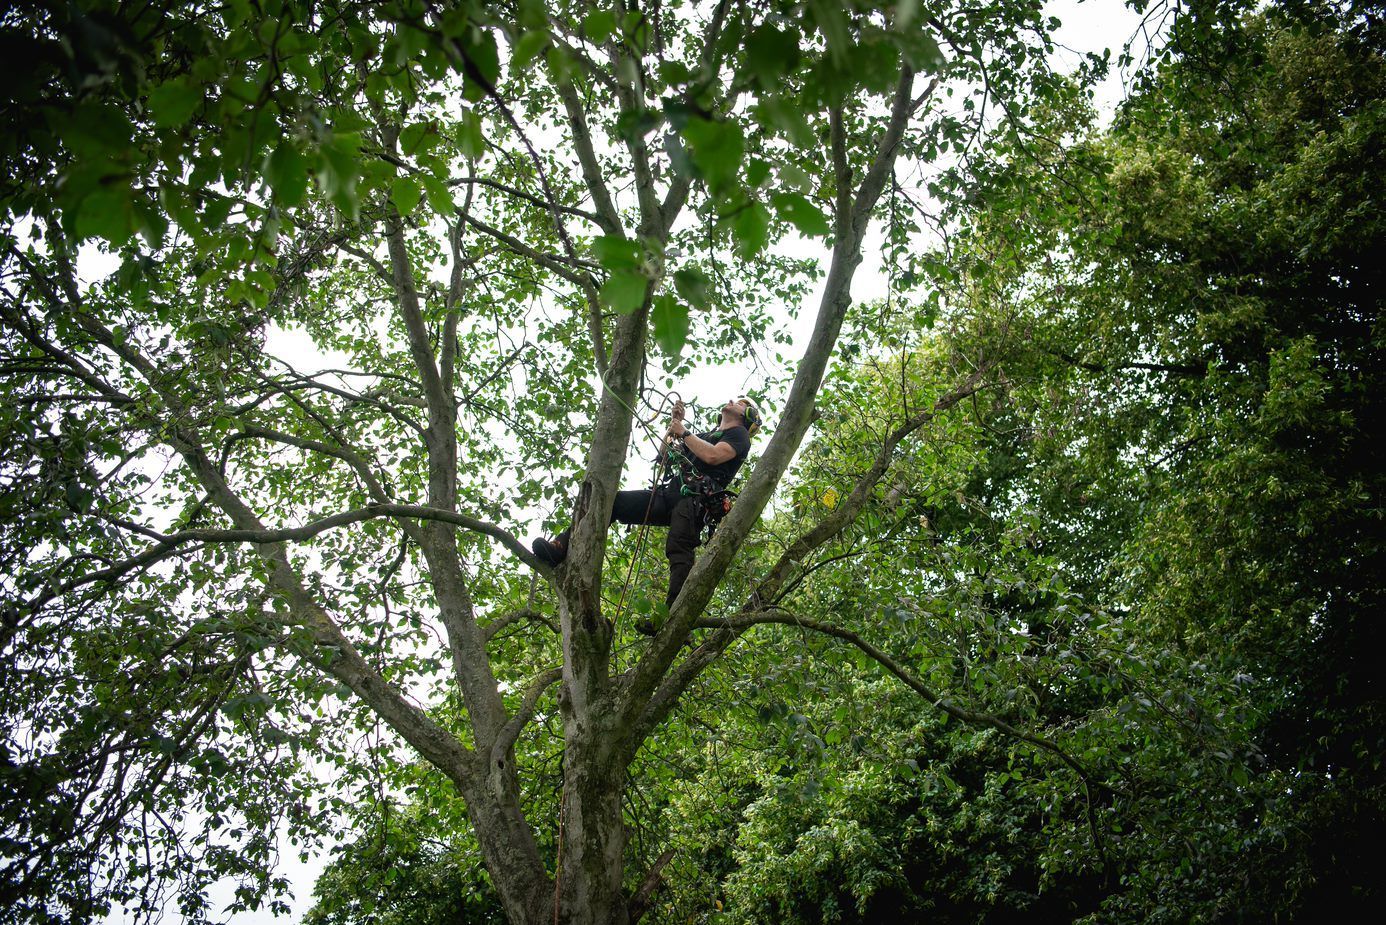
x=693, y=285
x=617, y=253
x=800, y=212
x=479, y=48
x=172, y=103
x=770, y=54
x=832, y=21
x=673, y=72
x=470, y=138
x=716, y=149
x=286, y=170
x=875, y=65
x=785, y=116
x=921, y=51
x=405, y=193
x=215, y=210
x=670, y=318
x=905, y=11
x=529, y=47
x=418, y=137
x=439, y=196
x=678, y=155
x=751, y=228
x=106, y=213
x=151, y=223
x=624, y=291
x=339, y=171
x=756, y=172
x=795, y=177
x=598, y=25
x=94, y=126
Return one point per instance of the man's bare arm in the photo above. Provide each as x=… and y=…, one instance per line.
x=711, y=453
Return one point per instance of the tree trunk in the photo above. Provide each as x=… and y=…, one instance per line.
x=593, y=832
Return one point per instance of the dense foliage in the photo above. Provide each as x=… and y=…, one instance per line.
x=1066, y=610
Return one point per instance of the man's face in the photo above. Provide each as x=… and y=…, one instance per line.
x=736, y=406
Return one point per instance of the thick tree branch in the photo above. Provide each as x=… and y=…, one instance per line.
x=262, y=535
x=607, y=216
x=712, y=564
x=874, y=181
x=572, y=269
x=490, y=630
x=420, y=348
x=529, y=198
x=346, y=455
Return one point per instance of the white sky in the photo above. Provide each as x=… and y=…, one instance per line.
x=1087, y=26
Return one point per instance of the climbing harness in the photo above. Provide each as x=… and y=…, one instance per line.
x=715, y=505
x=714, y=501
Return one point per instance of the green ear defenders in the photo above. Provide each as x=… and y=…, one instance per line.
x=751, y=416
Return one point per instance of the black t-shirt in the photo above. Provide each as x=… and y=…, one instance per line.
x=723, y=473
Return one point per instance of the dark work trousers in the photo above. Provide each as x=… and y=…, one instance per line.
x=682, y=514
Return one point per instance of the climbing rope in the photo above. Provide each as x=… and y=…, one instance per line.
x=642, y=531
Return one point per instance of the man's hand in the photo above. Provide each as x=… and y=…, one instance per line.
x=676, y=428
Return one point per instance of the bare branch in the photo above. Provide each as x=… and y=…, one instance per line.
x=643, y=897
x=515, y=616
x=911, y=681
x=530, y=198
x=505, y=739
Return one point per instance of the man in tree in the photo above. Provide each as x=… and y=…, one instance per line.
x=703, y=465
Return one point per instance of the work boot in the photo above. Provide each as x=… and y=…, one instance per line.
x=550, y=552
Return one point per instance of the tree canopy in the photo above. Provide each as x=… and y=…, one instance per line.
x=1051, y=590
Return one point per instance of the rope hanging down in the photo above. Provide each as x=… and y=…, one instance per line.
x=642, y=531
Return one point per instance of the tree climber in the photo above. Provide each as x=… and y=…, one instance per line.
x=703, y=466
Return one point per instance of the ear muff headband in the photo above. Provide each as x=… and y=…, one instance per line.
x=751, y=416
